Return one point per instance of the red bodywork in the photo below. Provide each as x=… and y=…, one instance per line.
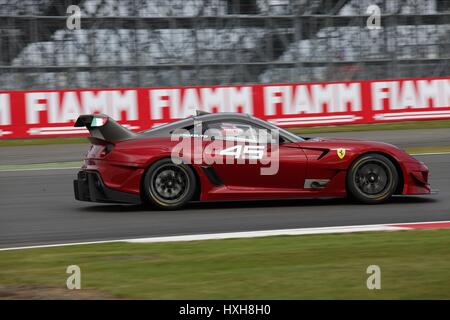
x=123, y=168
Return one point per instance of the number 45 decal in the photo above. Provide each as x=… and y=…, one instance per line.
x=244, y=152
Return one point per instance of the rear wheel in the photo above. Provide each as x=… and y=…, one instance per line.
x=372, y=178
x=168, y=185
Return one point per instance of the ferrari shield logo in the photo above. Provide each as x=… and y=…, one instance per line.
x=341, y=153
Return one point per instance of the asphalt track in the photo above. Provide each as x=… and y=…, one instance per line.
x=37, y=207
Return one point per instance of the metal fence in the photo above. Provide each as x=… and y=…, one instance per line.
x=136, y=43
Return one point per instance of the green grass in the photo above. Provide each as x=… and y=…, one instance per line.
x=408, y=125
x=427, y=149
x=414, y=265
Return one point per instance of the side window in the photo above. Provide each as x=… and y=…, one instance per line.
x=196, y=128
x=238, y=131
x=192, y=131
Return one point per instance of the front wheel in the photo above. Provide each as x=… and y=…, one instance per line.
x=372, y=179
x=168, y=185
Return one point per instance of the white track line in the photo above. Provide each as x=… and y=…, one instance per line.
x=268, y=233
x=245, y=234
x=61, y=245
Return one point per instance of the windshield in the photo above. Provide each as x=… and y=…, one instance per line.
x=282, y=132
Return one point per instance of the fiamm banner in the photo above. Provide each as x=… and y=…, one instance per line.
x=31, y=114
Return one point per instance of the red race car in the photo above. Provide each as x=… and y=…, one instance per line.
x=233, y=156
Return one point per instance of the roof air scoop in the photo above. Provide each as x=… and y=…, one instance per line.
x=201, y=113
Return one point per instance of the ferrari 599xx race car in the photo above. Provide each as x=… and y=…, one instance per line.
x=233, y=156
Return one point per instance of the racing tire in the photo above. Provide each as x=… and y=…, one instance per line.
x=168, y=186
x=372, y=179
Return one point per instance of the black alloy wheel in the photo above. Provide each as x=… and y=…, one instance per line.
x=372, y=178
x=168, y=185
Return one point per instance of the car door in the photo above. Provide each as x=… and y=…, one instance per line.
x=244, y=155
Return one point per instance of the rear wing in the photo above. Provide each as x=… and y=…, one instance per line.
x=104, y=128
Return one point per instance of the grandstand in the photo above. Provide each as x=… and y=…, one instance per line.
x=142, y=43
